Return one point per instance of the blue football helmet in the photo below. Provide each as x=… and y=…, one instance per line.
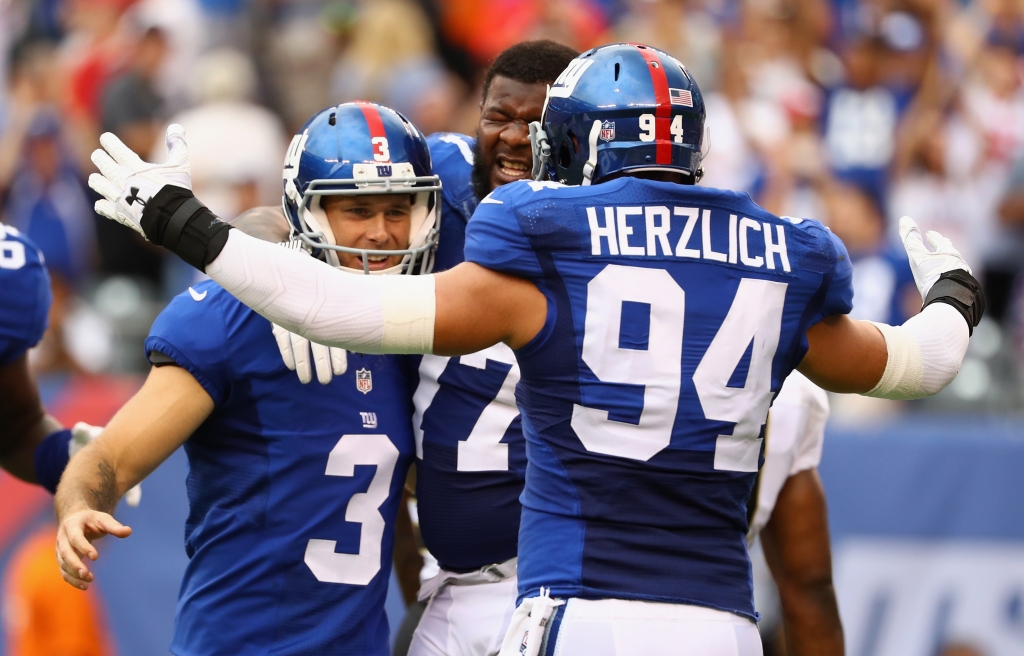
x=617, y=108
x=361, y=148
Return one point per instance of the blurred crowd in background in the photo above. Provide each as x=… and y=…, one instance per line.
x=854, y=112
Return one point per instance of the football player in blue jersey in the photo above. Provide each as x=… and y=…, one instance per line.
x=653, y=322
x=471, y=457
x=33, y=445
x=292, y=490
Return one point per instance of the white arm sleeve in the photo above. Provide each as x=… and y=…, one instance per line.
x=925, y=353
x=365, y=314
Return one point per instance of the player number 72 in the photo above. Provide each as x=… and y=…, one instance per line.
x=754, y=316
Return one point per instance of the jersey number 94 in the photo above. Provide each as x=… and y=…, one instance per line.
x=754, y=316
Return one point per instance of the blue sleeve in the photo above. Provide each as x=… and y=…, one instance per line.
x=24, y=295
x=452, y=156
x=194, y=334
x=494, y=238
x=839, y=293
x=452, y=159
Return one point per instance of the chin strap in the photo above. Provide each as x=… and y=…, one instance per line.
x=591, y=166
x=541, y=150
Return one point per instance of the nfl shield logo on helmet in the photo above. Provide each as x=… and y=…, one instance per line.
x=364, y=381
x=607, y=130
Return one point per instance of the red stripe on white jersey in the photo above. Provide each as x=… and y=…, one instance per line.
x=663, y=109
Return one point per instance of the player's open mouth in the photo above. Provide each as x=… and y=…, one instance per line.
x=377, y=262
x=512, y=169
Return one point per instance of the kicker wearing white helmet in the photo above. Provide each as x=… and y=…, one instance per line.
x=653, y=320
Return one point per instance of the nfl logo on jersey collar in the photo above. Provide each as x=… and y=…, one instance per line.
x=364, y=381
x=607, y=130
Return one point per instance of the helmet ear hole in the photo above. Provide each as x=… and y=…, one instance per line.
x=575, y=143
x=564, y=156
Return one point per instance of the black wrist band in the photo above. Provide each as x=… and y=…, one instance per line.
x=961, y=290
x=175, y=219
x=176, y=224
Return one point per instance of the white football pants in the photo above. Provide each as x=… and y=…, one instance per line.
x=619, y=627
x=465, y=617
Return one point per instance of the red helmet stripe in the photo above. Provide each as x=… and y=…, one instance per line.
x=373, y=120
x=663, y=110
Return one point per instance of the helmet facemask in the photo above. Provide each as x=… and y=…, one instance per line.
x=417, y=257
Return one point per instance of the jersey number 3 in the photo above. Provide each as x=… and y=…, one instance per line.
x=363, y=508
x=755, y=317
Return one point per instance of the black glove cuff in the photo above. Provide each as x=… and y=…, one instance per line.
x=175, y=219
x=961, y=290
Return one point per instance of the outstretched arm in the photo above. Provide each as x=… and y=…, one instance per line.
x=796, y=546
x=463, y=310
x=473, y=307
x=916, y=359
x=155, y=422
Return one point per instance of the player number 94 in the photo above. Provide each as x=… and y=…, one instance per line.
x=648, y=128
x=754, y=316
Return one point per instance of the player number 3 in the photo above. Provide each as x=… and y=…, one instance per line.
x=363, y=508
x=755, y=317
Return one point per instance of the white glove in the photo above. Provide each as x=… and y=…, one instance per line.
x=127, y=183
x=329, y=361
x=927, y=265
x=81, y=435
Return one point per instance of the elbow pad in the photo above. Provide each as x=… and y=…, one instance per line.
x=925, y=353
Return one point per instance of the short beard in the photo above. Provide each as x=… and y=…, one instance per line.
x=481, y=176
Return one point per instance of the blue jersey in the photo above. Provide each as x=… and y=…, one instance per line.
x=293, y=489
x=24, y=295
x=674, y=315
x=468, y=431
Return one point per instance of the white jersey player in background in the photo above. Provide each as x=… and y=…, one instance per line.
x=788, y=513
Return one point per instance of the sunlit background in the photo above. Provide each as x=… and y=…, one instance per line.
x=854, y=112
